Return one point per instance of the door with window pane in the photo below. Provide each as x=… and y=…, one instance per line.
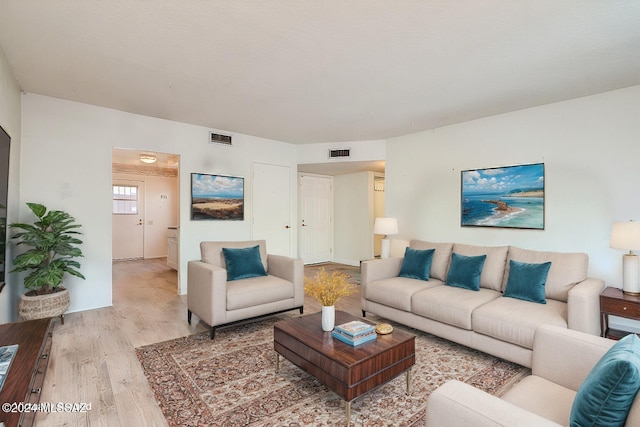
x=128, y=219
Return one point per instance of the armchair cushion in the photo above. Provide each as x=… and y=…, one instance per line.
x=244, y=294
x=243, y=263
x=610, y=389
x=211, y=251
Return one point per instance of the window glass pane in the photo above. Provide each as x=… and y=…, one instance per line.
x=125, y=199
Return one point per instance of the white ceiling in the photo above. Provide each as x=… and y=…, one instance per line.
x=321, y=71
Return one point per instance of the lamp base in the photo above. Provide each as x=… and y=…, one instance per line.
x=630, y=284
x=385, y=248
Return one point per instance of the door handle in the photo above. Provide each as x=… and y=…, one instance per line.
x=304, y=225
x=286, y=226
x=139, y=222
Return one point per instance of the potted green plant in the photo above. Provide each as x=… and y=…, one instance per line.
x=53, y=247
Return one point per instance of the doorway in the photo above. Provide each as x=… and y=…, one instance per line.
x=127, y=236
x=316, y=218
x=141, y=229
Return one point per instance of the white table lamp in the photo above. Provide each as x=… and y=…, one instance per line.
x=626, y=235
x=385, y=226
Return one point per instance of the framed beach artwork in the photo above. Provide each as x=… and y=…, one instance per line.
x=507, y=197
x=217, y=197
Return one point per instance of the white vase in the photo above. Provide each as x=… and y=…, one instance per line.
x=328, y=317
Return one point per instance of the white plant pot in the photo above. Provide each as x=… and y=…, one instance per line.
x=328, y=318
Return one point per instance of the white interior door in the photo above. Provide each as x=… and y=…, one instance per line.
x=128, y=219
x=316, y=218
x=271, y=195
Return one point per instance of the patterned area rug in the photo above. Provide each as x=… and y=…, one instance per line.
x=231, y=381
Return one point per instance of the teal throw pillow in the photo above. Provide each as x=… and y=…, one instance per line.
x=464, y=271
x=606, y=396
x=526, y=281
x=243, y=263
x=416, y=263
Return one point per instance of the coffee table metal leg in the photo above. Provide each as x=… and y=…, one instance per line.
x=348, y=406
x=409, y=381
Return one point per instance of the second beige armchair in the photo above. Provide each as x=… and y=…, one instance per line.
x=253, y=285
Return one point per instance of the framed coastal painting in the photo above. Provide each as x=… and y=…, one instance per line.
x=506, y=197
x=217, y=197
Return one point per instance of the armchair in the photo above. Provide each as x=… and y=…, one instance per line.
x=218, y=301
x=562, y=360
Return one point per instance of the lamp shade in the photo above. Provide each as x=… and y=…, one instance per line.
x=385, y=226
x=625, y=235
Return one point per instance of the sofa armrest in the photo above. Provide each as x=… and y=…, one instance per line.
x=378, y=269
x=290, y=269
x=456, y=404
x=564, y=356
x=583, y=306
x=207, y=292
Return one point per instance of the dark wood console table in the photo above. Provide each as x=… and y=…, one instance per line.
x=26, y=375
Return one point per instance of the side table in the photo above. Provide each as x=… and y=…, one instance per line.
x=616, y=303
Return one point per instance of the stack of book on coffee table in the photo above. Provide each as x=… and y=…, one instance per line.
x=354, y=332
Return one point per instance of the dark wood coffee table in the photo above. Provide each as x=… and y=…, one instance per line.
x=348, y=371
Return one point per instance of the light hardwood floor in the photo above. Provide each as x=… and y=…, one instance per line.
x=93, y=358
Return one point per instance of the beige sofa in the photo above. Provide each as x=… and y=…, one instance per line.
x=484, y=319
x=562, y=359
x=218, y=302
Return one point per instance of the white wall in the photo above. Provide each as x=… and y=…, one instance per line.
x=66, y=152
x=361, y=151
x=591, y=151
x=353, y=210
x=10, y=122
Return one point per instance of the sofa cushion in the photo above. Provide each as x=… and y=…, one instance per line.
x=526, y=281
x=451, y=305
x=494, y=266
x=211, y=252
x=464, y=271
x=566, y=270
x=256, y=291
x=243, y=263
x=515, y=320
x=441, y=257
x=416, y=263
x=605, y=397
x=396, y=292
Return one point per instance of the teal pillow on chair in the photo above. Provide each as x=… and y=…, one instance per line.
x=464, y=271
x=243, y=263
x=416, y=263
x=526, y=281
x=606, y=396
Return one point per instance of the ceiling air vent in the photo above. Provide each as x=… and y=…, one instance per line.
x=340, y=153
x=216, y=138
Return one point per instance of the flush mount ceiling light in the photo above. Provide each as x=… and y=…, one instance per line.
x=148, y=158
